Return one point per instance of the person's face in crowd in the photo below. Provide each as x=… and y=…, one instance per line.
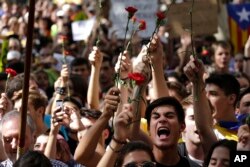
x=244, y=106
x=219, y=101
x=220, y=157
x=81, y=70
x=10, y=135
x=222, y=57
x=244, y=138
x=41, y=142
x=190, y=133
x=13, y=45
x=33, y=84
x=42, y=80
x=106, y=73
x=238, y=64
x=165, y=127
x=137, y=157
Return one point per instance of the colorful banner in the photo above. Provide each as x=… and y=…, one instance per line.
x=239, y=24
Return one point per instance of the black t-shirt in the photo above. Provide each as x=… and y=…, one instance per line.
x=182, y=163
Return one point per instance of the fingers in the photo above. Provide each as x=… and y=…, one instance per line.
x=193, y=69
x=154, y=44
x=95, y=57
x=112, y=99
x=124, y=118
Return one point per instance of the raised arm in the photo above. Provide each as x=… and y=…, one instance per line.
x=61, y=85
x=95, y=58
x=121, y=133
x=57, y=117
x=123, y=66
x=85, y=152
x=194, y=70
x=159, y=85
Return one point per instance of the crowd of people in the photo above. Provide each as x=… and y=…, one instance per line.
x=103, y=106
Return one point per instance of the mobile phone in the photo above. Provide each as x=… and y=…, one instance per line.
x=59, y=103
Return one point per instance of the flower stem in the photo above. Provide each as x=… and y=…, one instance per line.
x=117, y=75
x=6, y=83
x=99, y=22
x=196, y=93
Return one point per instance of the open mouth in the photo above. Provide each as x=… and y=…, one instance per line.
x=163, y=132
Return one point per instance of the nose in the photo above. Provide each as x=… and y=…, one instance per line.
x=162, y=119
x=14, y=143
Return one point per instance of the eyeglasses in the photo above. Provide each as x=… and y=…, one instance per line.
x=143, y=164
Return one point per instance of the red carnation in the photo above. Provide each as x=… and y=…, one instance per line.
x=137, y=77
x=142, y=25
x=131, y=11
x=160, y=16
x=10, y=72
x=63, y=37
x=66, y=53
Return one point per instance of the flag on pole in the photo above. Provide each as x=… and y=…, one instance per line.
x=239, y=24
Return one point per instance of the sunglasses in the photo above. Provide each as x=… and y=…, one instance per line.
x=143, y=164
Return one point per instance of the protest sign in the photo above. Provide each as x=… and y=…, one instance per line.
x=82, y=29
x=205, y=15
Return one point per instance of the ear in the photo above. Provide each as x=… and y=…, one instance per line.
x=40, y=111
x=105, y=134
x=182, y=127
x=232, y=99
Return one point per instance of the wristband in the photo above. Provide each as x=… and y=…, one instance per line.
x=61, y=90
x=115, y=151
x=118, y=141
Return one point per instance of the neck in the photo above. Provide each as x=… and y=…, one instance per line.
x=221, y=70
x=167, y=156
x=195, y=150
x=225, y=116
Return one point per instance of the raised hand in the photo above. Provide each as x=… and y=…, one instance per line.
x=244, y=138
x=95, y=57
x=122, y=122
x=73, y=119
x=58, y=117
x=5, y=105
x=194, y=70
x=111, y=101
x=65, y=73
x=123, y=65
x=156, y=52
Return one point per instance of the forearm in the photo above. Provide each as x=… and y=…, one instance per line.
x=93, y=90
x=139, y=108
x=110, y=155
x=159, y=85
x=60, y=95
x=87, y=145
x=203, y=117
x=50, y=150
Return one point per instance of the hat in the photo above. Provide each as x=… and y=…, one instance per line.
x=13, y=54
